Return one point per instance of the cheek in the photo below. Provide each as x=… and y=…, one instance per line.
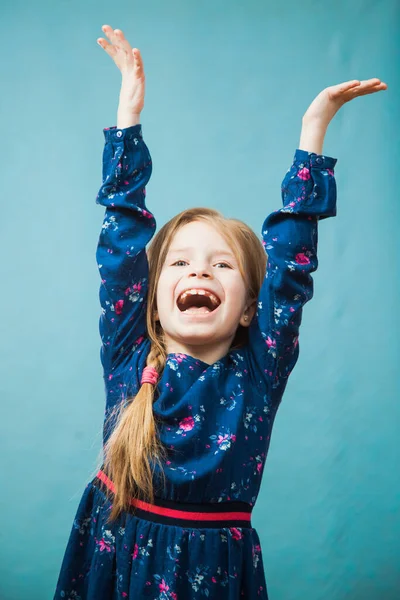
x=164, y=289
x=238, y=290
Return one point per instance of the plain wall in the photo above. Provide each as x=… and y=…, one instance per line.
x=227, y=85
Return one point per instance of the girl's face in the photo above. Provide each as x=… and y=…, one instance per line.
x=200, y=258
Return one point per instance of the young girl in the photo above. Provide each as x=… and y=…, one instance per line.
x=199, y=337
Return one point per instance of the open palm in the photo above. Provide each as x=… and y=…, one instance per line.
x=324, y=107
x=129, y=61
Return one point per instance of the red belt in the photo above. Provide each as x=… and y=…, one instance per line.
x=212, y=514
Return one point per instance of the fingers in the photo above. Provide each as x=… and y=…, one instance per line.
x=120, y=49
x=348, y=90
x=348, y=85
x=138, y=60
x=109, y=31
x=369, y=86
x=342, y=89
x=109, y=48
x=122, y=42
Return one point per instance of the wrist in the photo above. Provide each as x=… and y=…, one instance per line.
x=315, y=123
x=312, y=135
x=127, y=119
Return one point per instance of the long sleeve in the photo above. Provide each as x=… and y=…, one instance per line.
x=290, y=237
x=121, y=252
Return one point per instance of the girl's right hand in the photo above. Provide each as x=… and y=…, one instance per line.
x=129, y=62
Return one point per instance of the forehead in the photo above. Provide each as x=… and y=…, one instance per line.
x=196, y=236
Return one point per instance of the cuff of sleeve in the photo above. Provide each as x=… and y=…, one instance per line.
x=113, y=134
x=318, y=161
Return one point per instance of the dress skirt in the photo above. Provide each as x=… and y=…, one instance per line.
x=161, y=551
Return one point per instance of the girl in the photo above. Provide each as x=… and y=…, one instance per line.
x=199, y=336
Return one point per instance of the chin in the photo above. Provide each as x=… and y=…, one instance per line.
x=193, y=340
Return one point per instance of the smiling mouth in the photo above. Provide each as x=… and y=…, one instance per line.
x=198, y=301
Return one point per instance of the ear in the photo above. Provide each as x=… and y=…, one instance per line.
x=248, y=314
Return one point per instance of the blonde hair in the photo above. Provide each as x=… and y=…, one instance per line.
x=134, y=447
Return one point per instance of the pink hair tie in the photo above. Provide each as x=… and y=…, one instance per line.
x=149, y=375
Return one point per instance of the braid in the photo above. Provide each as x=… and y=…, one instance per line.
x=134, y=446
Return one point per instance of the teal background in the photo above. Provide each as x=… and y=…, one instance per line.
x=227, y=85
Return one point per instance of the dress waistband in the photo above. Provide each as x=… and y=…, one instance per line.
x=168, y=512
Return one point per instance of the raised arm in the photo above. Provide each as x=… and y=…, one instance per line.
x=121, y=252
x=290, y=237
x=128, y=226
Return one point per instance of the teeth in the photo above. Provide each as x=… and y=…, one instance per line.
x=193, y=292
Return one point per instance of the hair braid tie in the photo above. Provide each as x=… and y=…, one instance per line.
x=149, y=375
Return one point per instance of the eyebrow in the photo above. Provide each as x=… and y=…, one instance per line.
x=188, y=248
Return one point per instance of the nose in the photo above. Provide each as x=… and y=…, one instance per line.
x=201, y=272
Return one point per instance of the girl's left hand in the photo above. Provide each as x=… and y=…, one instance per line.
x=327, y=103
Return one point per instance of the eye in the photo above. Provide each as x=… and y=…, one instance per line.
x=178, y=261
x=184, y=261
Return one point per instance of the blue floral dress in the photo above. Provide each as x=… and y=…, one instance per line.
x=215, y=420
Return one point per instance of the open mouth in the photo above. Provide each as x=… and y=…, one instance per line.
x=198, y=301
